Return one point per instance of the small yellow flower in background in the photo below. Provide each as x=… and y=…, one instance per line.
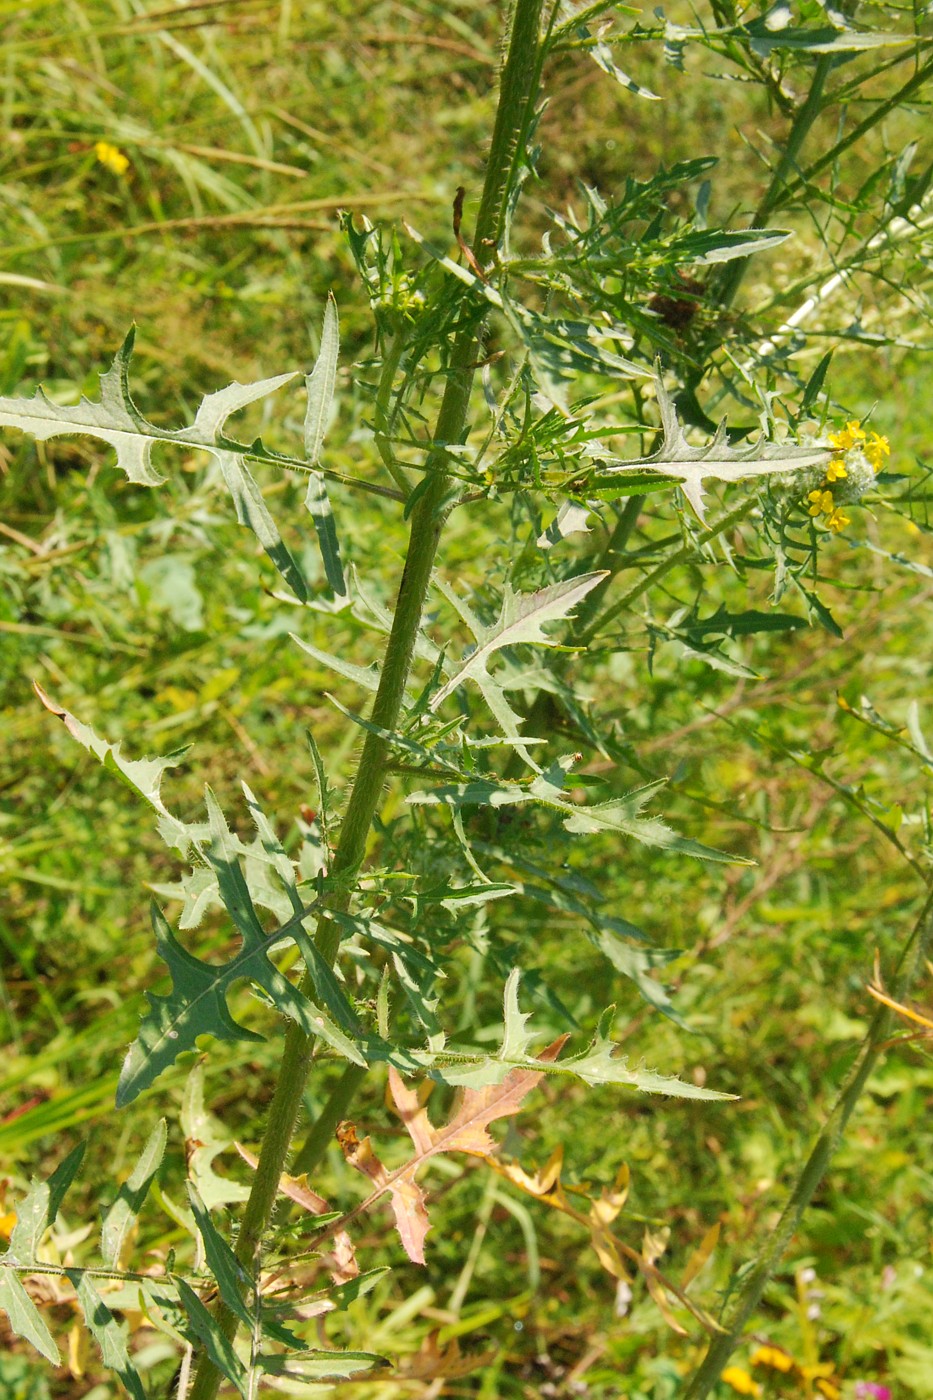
x=112, y=157
x=876, y=449
x=832, y=1392
x=838, y=520
x=740, y=1381
x=775, y=1358
x=836, y=471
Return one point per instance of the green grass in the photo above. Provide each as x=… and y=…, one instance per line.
x=247, y=125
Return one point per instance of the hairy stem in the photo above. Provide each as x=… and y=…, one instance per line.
x=518, y=88
x=721, y=1348
x=322, y=1130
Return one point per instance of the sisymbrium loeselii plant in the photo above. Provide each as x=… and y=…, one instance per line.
x=623, y=399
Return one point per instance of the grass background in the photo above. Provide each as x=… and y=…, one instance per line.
x=247, y=126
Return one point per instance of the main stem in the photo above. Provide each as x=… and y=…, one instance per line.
x=518, y=88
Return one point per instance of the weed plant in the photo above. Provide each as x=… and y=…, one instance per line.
x=572, y=514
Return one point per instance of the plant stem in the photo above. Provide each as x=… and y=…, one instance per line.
x=670, y=561
x=517, y=92
x=731, y=278
x=721, y=1348
x=322, y=1130
x=876, y=115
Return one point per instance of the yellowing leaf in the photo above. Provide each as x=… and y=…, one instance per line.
x=602, y=1213
x=701, y=1254
x=408, y=1202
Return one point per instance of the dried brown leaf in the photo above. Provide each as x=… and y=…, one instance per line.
x=700, y=1255
x=466, y=1132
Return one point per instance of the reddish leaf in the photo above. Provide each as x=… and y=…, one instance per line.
x=466, y=1132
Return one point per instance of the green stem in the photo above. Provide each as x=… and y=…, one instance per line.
x=877, y=114
x=322, y=1130
x=517, y=93
x=721, y=1348
x=670, y=561
x=807, y=114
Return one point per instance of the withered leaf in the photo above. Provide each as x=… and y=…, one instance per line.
x=466, y=1132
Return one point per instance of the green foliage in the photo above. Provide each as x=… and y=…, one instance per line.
x=563, y=643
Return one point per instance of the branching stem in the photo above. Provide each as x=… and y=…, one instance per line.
x=517, y=93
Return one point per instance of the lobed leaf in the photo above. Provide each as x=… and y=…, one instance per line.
x=197, y=1004
x=466, y=1131
x=717, y=460
x=143, y=775
x=598, y=1064
x=623, y=815
x=521, y=620
x=116, y=420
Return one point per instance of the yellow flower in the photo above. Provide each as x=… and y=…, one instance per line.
x=850, y=436
x=112, y=157
x=740, y=1381
x=775, y=1358
x=832, y=1392
x=836, y=470
x=876, y=449
x=819, y=1368
x=838, y=520
x=821, y=502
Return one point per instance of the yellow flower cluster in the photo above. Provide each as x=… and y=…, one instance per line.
x=872, y=447
x=740, y=1381
x=773, y=1358
x=875, y=447
x=112, y=157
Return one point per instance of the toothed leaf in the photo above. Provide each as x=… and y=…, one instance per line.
x=207, y=1331
x=717, y=460
x=116, y=420
x=121, y=1217
x=108, y=1333
x=24, y=1317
